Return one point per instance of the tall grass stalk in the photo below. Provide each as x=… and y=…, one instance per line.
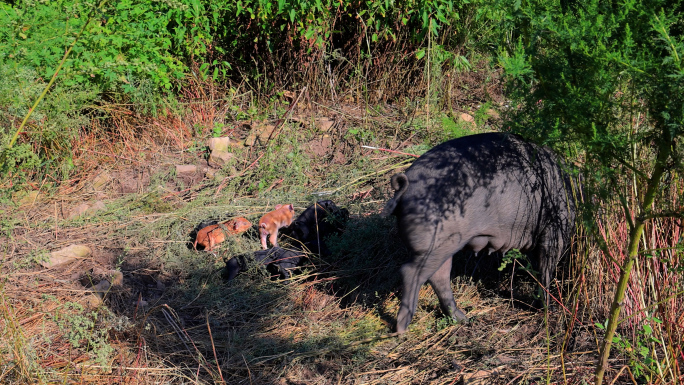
x=636, y=226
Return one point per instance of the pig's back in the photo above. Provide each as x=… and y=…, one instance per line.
x=481, y=185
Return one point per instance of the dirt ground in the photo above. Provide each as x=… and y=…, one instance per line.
x=173, y=318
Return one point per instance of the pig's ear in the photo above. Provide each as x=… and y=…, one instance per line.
x=278, y=206
x=290, y=207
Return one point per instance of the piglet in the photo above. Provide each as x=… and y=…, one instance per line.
x=210, y=236
x=274, y=220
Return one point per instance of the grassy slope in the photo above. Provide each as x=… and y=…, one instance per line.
x=175, y=320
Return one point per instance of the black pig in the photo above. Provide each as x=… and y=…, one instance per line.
x=317, y=222
x=491, y=192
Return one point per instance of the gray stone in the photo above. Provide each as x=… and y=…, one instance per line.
x=141, y=303
x=101, y=288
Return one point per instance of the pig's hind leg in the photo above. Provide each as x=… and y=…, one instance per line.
x=415, y=273
x=441, y=283
x=263, y=234
x=545, y=257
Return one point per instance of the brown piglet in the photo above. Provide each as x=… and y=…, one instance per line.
x=212, y=235
x=274, y=220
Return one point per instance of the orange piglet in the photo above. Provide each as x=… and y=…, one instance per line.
x=274, y=220
x=210, y=236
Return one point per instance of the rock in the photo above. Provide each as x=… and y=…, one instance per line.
x=250, y=140
x=289, y=95
x=78, y=211
x=97, y=206
x=101, y=288
x=101, y=180
x=482, y=377
x=504, y=359
x=466, y=118
x=116, y=277
x=99, y=272
x=219, y=159
x=186, y=169
x=221, y=144
x=260, y=132
x=320, y=147
x=85, y=208
x=479, y=377
x=324, y=124
x=467, y=121
x=339, y=158
x=67, y=254
x=264, y=132
x=92, y=300
x=29, y=198
x=208, y=172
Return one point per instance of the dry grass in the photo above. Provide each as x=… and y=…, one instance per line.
x=174, y=319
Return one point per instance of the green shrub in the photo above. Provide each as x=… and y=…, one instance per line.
x=125, y=41
x=605, y=82
x=45, y=143
x=130, y=41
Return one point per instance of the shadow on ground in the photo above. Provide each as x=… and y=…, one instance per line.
x=327, y=319
x=175, y=319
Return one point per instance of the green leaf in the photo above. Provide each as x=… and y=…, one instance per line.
x=647, y=329
x=309, y=34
